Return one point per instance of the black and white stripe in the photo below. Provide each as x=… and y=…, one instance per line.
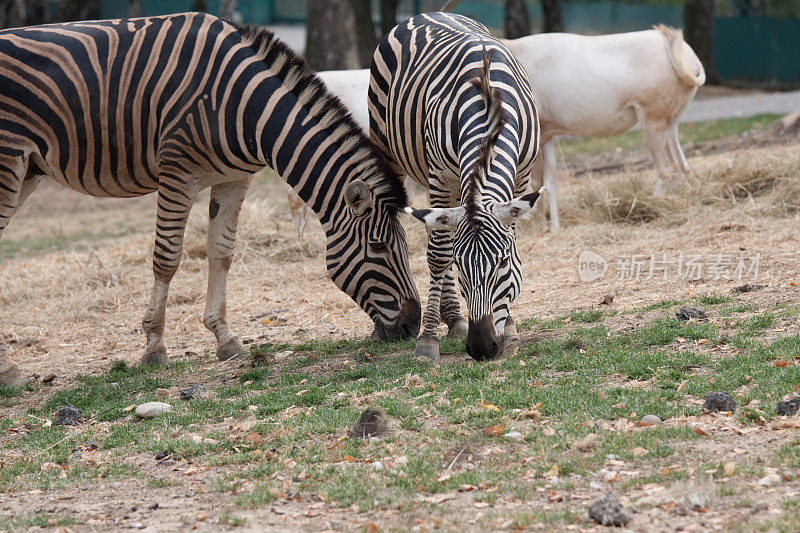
x=452, y=107
x=179, y=103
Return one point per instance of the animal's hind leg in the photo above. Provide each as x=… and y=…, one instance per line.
x=675, y=147
x=223, y=216
x=10, y=186
x=657, y=135
x=174, y=204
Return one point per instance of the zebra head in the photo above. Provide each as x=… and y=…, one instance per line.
x=489, y=268
x=367, y=258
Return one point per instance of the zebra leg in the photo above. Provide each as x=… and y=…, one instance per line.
x=223, y=216
x=440, y=253
x=171, y=214
x=457, y=325
x=13, y=193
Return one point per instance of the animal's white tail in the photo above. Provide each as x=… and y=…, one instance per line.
x=694, y=77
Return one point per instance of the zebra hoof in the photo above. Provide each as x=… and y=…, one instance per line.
x=427, y=347
x=10, y=376
x=229, y=350
x=156, y=356
x=458, y=329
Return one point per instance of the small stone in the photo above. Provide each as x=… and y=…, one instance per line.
x=607, y=511
x=153, y=506
x=789, y=407
x=91, y=443
x=747, y=287
x=651, y=420
x=192, y=393
x=719, y=401
x=68, y=415
x=283, y=355
x=48, y=380
x=160, y=456
x=377, y=466
x=768, y=480
x=608, y=299
x=152, y=409
x=686, y=313
x=514, y=435
x=137, y=525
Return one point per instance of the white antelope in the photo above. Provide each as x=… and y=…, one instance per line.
x=603, y=85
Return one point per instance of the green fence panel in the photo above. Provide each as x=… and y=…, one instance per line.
x=758, y=49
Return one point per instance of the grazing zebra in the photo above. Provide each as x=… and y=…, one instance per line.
x=467, y=139
x=179, y=103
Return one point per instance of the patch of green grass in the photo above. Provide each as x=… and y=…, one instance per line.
x=41, y=519
x=692, y=132
x=713, y=299
x=80, y=240
x=259, y=497
x=232, y=520
x=666, y=330
x=664, y=304
x=586, y=316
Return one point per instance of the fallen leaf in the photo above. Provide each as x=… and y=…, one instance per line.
x=443, y=477
x=548, y=432
x=620, y=405
x=130, y=408
x=372, y=527
x=700, y=430
x=780, y=363
x=489, y=406
x=254, y=438
x=611, y=477
x=586, y=443
x=665, y=472
x=348, y=458
x=555, y=497
x=553, y=472
x=683, y=384
x=481, y=505
x=494, y=431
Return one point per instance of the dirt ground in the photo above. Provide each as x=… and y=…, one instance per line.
x=73, y=296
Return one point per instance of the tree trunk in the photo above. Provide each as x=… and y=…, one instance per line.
x=553, y=21
x=366, y=40
x=227, y=9
x=517, y=23
x=200, y=6
x=329, y=34
x=698, y=23
x=19, y=14
x=135, y=9
x=388, y=16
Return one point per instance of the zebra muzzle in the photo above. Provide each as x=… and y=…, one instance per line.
x=483, y=343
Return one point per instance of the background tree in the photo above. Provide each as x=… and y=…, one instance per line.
x=227, y=8
x=517, y=23
x=698, y=23
x=330, y=44
x=388, y=16
x=199, y=5
x=366, y=39
x=553, y=19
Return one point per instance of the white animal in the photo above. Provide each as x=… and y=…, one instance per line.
x=598, y=86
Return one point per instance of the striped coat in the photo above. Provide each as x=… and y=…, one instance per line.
x=180, y=103
x=453, y=108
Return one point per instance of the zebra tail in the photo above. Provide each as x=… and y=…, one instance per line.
x=496, y=120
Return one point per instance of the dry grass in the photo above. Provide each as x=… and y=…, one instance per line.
x=756, y=182
x=83, y=306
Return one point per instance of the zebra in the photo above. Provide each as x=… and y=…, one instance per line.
x=179, y=103
x=469, y=138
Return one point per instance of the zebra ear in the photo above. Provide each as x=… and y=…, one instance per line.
x=358, y=197
x=441, y=218
x=509, y=212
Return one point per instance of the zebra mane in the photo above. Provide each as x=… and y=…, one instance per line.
x=331, y=113
x=473, y=196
